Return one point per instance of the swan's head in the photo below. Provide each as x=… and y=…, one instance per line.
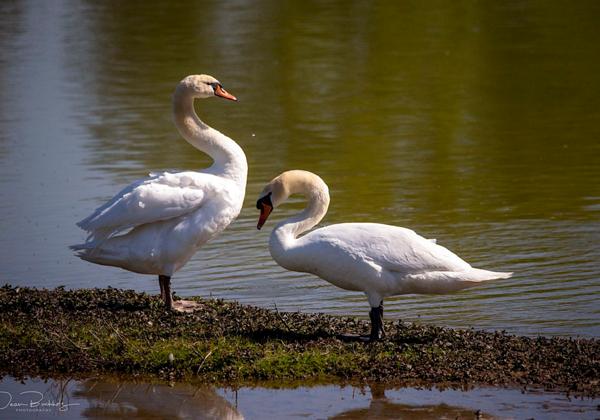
x=274, y=193
x=291, y=182
x=205, y=86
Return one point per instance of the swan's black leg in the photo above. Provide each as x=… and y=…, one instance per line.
x=162, y=288
x=165, y=290
x=376, y=315
x=381, y=319
x=377, y=331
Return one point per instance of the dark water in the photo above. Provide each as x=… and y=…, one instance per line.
x=473, y=122
x=110, y=398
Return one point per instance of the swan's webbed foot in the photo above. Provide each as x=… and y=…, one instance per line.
x=186, y=305
x=165, y=291
x=167, y=297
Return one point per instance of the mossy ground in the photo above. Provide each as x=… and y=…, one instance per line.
x=90, y=331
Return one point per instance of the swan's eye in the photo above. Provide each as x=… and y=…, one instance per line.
x=264, y=200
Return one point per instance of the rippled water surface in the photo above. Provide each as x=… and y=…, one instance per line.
x=476, y=123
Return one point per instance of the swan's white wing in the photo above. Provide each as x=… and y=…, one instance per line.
x=162, y=196
x=390, y=247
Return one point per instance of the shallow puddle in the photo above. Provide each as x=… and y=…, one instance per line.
x=111, y=398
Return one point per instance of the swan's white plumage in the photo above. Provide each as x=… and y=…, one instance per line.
x=154, y=225
x=380, y=260
x=160, y=197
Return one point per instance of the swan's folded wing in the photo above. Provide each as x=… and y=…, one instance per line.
x=405, y=251
x=161, y=197
x=392, y=248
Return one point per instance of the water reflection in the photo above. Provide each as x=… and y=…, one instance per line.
x=380, y=407
x=113, y=398
x=471, y=122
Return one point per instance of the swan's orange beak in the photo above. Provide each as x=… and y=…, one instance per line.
x=219, y=91
x=264, y=215
x=266, y=207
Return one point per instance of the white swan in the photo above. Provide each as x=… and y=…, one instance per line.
x=379, y=260
x=170, y=215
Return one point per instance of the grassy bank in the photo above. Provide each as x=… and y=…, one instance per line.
x=87, y=331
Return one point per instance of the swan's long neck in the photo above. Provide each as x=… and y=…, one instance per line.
x=229, y=158
x=285, y=235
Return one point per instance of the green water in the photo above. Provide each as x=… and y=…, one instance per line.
x=473, y=122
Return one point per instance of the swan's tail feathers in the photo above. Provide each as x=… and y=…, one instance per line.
x=104, y=255
x=83, y=251
x=441, y=282
x=92, y=243
x=479, y=275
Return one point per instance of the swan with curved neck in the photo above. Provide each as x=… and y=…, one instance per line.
x=379, y=260
x=156, y=224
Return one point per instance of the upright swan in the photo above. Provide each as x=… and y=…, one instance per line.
x=156, y=224
x=379, y=260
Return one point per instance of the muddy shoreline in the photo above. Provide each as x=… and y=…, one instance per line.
x=112, y=331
